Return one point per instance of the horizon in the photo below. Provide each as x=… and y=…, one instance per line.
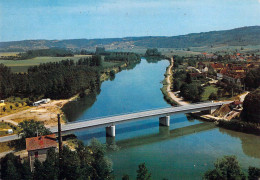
x=62, y=20
x=125, y=37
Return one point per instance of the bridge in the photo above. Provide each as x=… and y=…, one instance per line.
x=163, y=114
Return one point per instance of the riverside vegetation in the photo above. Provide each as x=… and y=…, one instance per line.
x=60, y=79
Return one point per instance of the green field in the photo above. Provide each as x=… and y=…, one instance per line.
x=207, y=91
x=23, y=65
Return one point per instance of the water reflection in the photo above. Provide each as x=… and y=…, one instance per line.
x=250, y=143
x=75, y=109
x=164, y=134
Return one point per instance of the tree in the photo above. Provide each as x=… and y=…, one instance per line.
x=226, y=168
x=11, y=171
x=152, y=52
x=213, y=96
x=26, y=171
x=10, y=165
x=31, y=128
x=253, y=173
x=38, y=172
x=176, y=85
x=188, y=79
x=126, y=177
x=50, y=165
x=143, y=173
x=191, y=92
x=112, y=73
x=252, y=79
x=101, y=165
x=70, y=168
x=251, y=106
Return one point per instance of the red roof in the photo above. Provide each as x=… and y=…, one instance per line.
x=41, y=142
x=217, y=65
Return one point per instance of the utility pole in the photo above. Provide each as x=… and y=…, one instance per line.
x=60, y=146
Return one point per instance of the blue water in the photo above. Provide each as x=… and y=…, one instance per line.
x=185, y=150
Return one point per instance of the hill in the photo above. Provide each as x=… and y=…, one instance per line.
x=236, y=37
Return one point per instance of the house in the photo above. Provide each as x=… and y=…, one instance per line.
x=221, y=72
x=2, y=101
x=236, y=78
x=38, y=147
x=205, y=69
x=217, y=66
x=201, y=65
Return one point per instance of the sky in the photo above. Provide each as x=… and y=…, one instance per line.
x=76, y=19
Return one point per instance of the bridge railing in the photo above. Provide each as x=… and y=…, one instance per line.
x=140, y=111
x=119, y=114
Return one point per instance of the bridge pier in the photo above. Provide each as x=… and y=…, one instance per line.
x=111, y=131
x=212, y=109
x=164, y=121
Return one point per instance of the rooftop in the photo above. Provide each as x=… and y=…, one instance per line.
x=41, y=142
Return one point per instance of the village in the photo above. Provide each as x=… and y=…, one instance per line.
x=219, y=78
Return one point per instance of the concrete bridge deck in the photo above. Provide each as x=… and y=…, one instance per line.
x=113, y=120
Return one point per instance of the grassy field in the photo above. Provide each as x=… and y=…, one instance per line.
x=8, y=53
x=4, y=127
x=11, y=107
x=225, y=48
x=207, y=91
x=23, y=65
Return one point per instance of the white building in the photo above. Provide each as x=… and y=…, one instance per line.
x=43, y=101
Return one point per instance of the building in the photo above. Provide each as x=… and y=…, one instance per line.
x=217, y=66
x=43, y=101
x=38, y=147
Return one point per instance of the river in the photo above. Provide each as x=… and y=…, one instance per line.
x=185, y=150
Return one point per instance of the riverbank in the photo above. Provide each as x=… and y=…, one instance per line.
x=47, y=113
x=170, y=96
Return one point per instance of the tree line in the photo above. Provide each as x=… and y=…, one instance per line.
x=53, y=52
x=127, y=57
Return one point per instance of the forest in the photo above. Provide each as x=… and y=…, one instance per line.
x=54, y=80
x=58, y=80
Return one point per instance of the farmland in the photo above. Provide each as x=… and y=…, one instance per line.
x=23, y=65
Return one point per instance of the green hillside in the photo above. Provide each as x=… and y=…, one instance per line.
x=236, y=37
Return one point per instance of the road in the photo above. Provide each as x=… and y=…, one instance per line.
x=171, y=94
x=9, y=138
